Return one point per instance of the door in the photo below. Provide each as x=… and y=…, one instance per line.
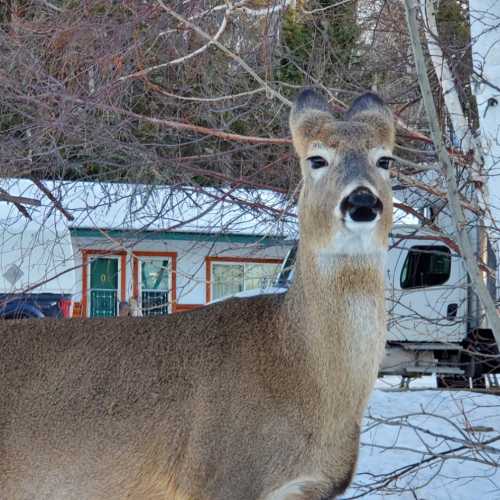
x=103, y=286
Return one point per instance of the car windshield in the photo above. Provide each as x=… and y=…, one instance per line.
x=285, y=276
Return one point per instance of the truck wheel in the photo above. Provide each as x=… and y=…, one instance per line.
x=478, y=382
x=482, y=342
x=452, y=381
x=474, y=371
x=16, y=316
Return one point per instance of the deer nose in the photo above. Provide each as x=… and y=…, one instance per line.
x=361, y=205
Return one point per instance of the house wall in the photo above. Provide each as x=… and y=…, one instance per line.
x=191, y=260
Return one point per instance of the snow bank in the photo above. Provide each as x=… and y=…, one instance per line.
x=429, y=444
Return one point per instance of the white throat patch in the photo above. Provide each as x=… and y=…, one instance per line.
x=357, y=240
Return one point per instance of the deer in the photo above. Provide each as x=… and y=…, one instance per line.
x=257, y=398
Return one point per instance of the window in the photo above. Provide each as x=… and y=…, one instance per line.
x=155, y=286
x=229, y=278
x=426, y=266
x=288, y=269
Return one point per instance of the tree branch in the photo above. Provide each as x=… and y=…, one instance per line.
x=19, y=201
x=226, y=51
x=182, y=126
x=182, y=59
x=457, y=213
x=52, y=198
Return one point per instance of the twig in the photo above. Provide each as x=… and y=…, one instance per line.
x=18, y=202
x=182, y=59
x=158, y=89
x=52, y=198
x=228, y=52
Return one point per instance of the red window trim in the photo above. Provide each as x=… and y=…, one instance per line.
x=187, y=307
x=86, y=253
x=208, y=269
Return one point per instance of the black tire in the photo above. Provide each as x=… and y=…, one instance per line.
x=483, y=342
x=17, y=316
x=479, y=383
x=452, y=381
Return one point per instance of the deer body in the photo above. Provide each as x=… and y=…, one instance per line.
x=257, y=399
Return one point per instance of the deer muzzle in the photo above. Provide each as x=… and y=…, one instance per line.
x=361, y=205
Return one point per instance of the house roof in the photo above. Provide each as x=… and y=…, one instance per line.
x=159, y=208
x=180, y=209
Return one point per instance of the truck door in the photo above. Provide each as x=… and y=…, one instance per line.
x=427, y=291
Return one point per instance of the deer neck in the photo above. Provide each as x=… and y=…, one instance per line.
x=338, y=307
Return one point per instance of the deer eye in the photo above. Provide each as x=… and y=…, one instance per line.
x=385, y=162
x=317, y=162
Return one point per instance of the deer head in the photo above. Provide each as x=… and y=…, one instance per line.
x=345, y=206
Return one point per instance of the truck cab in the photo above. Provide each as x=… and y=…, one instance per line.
x=433, y=326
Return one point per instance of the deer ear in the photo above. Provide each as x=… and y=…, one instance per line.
x=370, y=109
x=310, y=100
x=309, y=115
x=367, y=103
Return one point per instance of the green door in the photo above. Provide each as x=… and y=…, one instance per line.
x=103, y=286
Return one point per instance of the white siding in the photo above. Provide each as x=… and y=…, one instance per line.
x=191, y=269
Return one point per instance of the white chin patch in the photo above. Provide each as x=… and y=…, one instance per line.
x=355, y=226
x=354, y=238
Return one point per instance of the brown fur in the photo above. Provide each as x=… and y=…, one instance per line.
x=233, y=401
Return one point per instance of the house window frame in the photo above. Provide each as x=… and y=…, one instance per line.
x=209, y=261
x=137, y=256
x=87, y=254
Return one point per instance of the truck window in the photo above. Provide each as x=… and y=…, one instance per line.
x=426, y=266
x=286, y=274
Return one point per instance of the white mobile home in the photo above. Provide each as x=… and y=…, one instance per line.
x=169, y=271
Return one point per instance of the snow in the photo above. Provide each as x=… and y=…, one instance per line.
x=168, y=208
x=254, y=292
x=404, y=427
x=163, y=208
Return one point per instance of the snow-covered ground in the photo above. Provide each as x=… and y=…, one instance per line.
x=428, y=444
